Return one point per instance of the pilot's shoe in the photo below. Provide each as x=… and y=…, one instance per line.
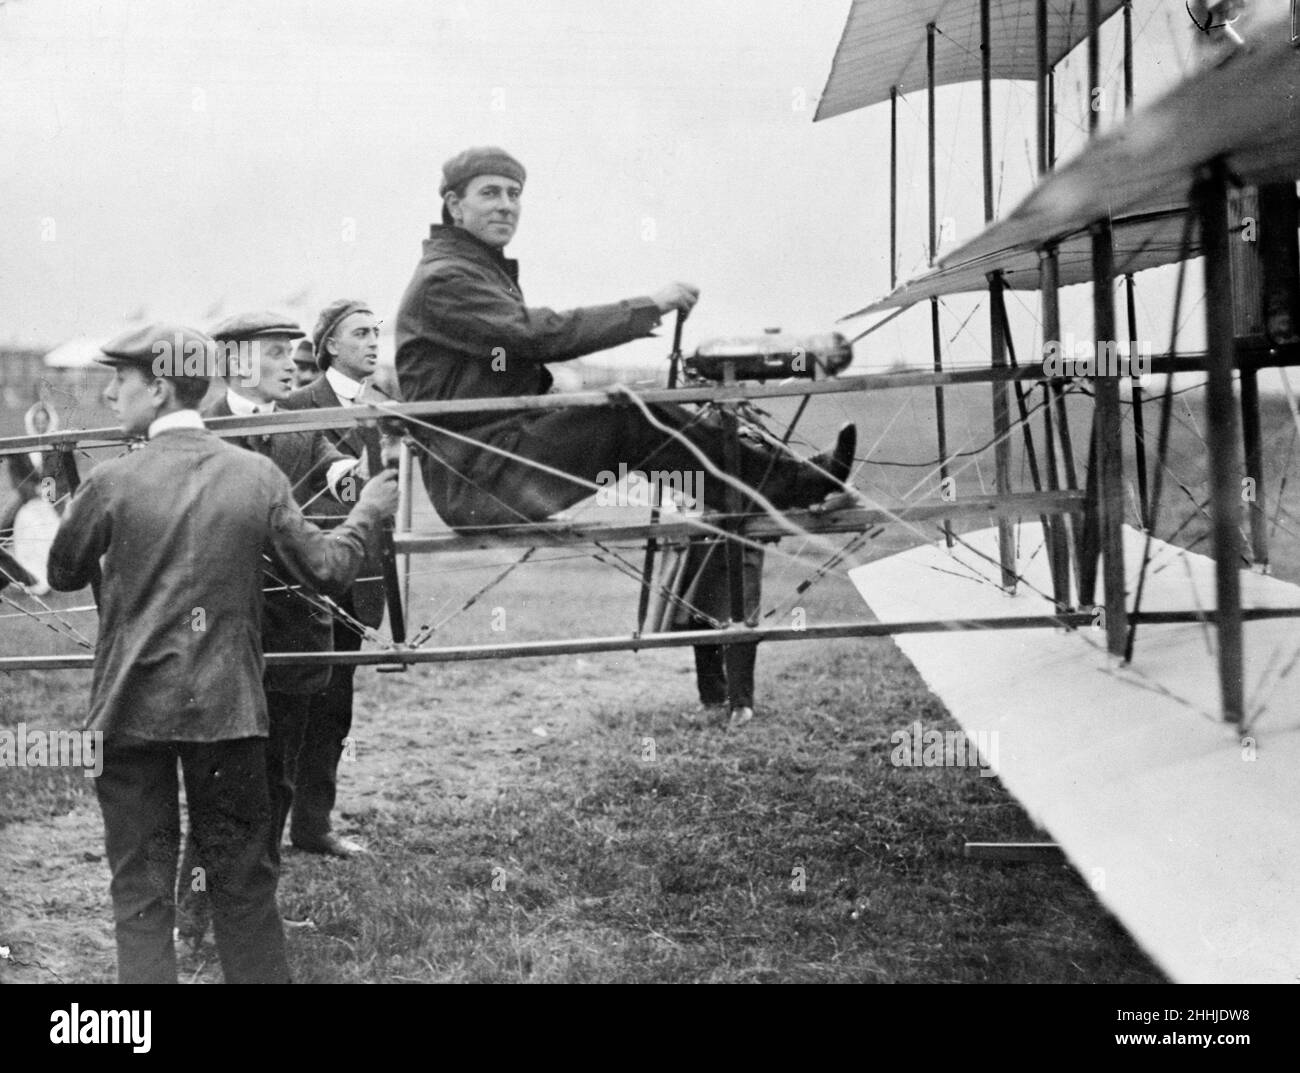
x=838, y=462
x=832, y=469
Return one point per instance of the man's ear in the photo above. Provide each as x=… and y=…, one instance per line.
x=161, y=392
x=452, y=201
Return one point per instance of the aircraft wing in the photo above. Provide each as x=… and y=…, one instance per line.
x=883, y=45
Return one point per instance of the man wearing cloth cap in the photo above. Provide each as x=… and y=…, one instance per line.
x=258, y=374
x=463, y=331
x=180, y=527
x=346, y=341
x=305, y=369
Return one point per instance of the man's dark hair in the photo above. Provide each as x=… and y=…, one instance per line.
x=189, y=389
x=459, y=191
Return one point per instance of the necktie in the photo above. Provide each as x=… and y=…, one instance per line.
x=259, y=443
x=366, y=432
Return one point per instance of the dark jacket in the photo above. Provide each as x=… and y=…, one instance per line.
x=367, y=595
x=463, y=331
x=291, y=622
x=182, y=525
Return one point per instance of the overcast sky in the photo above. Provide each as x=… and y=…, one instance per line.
x=186, y=157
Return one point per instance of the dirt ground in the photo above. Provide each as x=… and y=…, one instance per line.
x=458, y=735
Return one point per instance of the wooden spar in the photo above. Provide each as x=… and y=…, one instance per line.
x=1265, y=357
x=753, y=526
x=1139, y=428
x=1040, y=87
x=1128, y=56
x=986, y=108
x=936, y=343
x=1059, y=548
x=1254, y=452
x=1051, y=119
x=1247, y=325
x=1055, y=415
x=1210, y=195
x=997, y=328
x=405, y=511
x=1109, y=460
x=1002, y=430
x=1094, y=67
x=657, y=488
x=1051, y=531
x=1139, y=424
x=683, y=639
x=387, y=553
x=735, y=551
x=893, y=187
x=1090, y=535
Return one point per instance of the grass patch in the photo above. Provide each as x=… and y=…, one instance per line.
x=604, y=866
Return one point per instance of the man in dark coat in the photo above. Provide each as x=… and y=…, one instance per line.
x=257, y=374
x=295, y=620
x=346, y=343
x=464, y=332
x=179, y=530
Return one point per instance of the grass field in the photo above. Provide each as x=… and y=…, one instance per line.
x=563, y=820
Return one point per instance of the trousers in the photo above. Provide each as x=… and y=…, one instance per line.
x=472, y=487
x=230, y=814
x=328, y=725
x=287, y=714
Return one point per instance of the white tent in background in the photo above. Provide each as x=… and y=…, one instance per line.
x=78, y=353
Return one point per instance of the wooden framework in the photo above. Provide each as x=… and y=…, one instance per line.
x=1086, y=522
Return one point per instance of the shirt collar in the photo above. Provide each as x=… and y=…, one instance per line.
x=175, y=420
x=344, y=386
x=242, y=407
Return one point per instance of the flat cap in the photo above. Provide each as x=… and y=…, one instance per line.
x=165, y=349
x=481, y=160
x=304, y=352
x=327, y=323
x=253, y=325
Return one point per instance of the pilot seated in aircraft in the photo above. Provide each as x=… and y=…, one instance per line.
x=464, y=332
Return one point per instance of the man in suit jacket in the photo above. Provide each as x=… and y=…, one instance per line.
x=179, y=529
x=346, y=339
x=295, y=620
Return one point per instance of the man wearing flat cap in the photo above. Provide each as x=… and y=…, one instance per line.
x=180, y=527
x=464, y=332
x=305, y=369
x=346, y=341
x=258, y=375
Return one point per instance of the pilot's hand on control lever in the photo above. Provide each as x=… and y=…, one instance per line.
x=380, y=492
x=682, y=296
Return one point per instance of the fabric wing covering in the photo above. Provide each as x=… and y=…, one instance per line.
x=1148, y=240
x=1140, y=173
x=883, y=45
